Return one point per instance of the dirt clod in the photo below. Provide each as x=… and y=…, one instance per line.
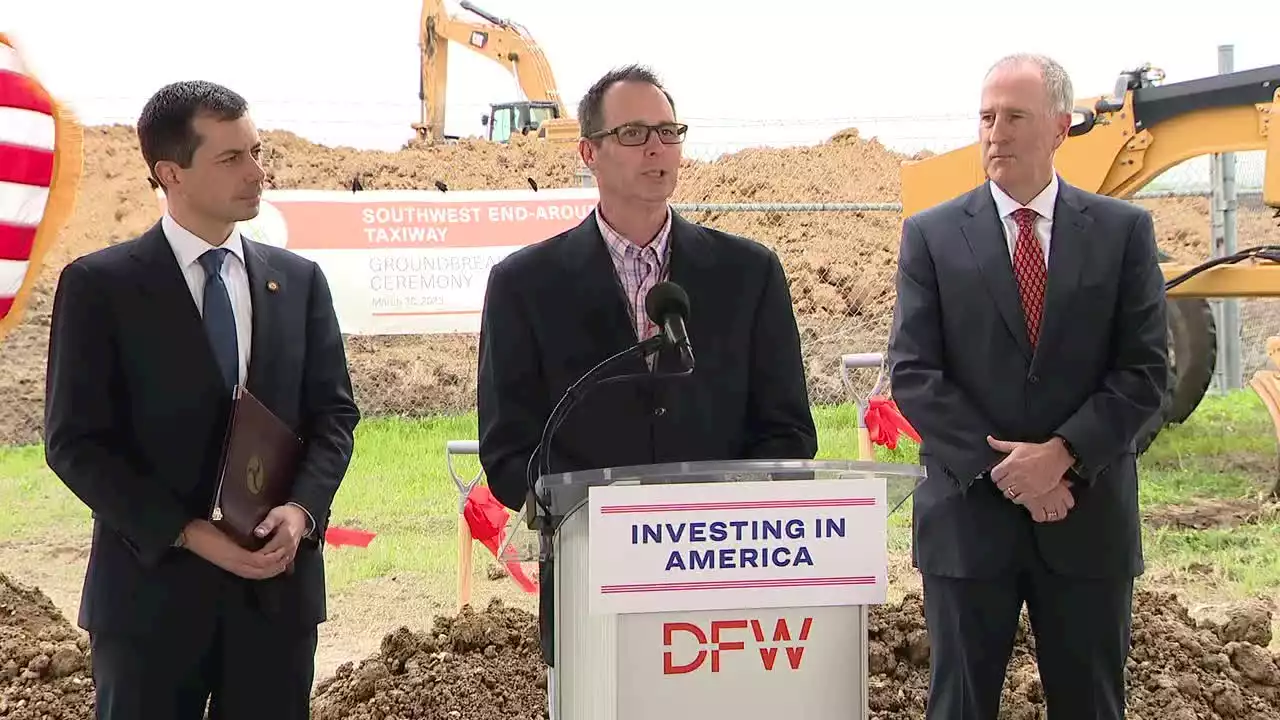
x=486, y=665
x=44, y=660
x=477, y=666
x=1177, y=668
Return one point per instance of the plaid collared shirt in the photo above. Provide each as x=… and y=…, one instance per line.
x=639, y=269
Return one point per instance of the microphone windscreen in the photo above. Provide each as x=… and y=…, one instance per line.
x=665, y=299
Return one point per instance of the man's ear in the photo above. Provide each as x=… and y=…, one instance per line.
x=1064, y=127
x=167, y=172
x=587, y=152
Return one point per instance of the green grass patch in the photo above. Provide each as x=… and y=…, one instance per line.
x=1233, y=562
x=36, y=504
x=1220, y=463
x=1224, y=450
x=399, y=487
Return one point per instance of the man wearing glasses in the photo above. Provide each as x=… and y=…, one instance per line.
x=555, y=309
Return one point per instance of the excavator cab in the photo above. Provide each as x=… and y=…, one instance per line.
x=522, y=117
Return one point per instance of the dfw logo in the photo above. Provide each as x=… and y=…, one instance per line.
x=723, y=636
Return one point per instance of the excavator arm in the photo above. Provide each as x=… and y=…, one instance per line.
x=502, y=41
x=1124, y=141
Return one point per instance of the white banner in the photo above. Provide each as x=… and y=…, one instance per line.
x=706, y=546
x=411, y=262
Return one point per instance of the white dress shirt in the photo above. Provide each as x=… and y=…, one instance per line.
x=188, y=248
x=1043, y=204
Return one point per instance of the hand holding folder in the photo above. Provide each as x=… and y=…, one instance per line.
x=260, y=458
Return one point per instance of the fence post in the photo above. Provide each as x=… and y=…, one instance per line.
x=1228, y=374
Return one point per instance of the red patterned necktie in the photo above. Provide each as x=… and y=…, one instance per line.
x=1029, y=267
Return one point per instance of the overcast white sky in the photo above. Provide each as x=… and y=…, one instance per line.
x=790, y=73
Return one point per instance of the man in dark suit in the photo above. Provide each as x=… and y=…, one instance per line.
x=148, y=339
x=555, y=309
x=1028, y=400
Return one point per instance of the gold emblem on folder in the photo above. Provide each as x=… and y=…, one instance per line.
x=255, y=474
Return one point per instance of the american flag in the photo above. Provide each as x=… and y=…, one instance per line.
x=27, y=131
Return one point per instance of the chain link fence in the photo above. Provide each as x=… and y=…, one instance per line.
x=840, y=258
x=1259, y=320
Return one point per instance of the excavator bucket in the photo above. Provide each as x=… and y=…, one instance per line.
x=560, y=130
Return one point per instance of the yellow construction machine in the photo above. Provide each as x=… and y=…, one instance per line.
x=506, y=43
x=1119, y=143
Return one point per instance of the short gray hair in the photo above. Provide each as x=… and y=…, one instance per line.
x=1057, y=83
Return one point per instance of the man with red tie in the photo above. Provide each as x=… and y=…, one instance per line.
x=1028, y=348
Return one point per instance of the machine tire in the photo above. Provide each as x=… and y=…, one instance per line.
x=1193, y=354
x=1193, y=347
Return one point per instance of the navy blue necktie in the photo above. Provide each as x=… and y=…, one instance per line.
x=219, y=320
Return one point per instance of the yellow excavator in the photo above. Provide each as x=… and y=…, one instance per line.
x=1119, y=143
x=542, y=111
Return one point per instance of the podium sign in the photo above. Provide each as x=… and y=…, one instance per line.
x=704, y=546
x=743, y=663
x=735, y=588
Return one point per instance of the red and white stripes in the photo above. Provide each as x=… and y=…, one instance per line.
x=27, y=130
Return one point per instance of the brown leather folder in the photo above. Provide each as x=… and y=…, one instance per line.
x=260, y=457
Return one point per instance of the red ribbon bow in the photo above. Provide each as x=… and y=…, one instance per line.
x=487, y=519
x=339, y=536
x=885, y=423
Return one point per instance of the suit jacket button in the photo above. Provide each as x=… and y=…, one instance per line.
x=659, y=411
x=1034, y=379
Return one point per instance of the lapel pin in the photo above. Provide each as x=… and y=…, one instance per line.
x=272, y=286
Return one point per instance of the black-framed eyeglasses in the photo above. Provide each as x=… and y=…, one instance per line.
x=633, y=134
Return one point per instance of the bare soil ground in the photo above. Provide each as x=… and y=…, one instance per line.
x=484, y=664
x=840, y=264
x=1204, y=514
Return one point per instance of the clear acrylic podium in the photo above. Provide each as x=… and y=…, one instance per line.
x=694, y=655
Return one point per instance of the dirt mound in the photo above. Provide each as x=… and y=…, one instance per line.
x=846, y=168
x=477, y=666
x=1178, y=669
x=1204, y=514
x=294, y=162
x=840, y=264
x=486, y=665
x=44, y=660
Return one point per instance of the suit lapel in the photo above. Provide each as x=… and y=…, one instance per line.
x=985, y=235
x=1067, y=254
x=173, y=309
x=690, y=254
x=592, y=275
x=266, y=291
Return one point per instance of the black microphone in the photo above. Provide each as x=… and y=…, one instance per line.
x=668, y=307
x=547, y=521
x=539, y=461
